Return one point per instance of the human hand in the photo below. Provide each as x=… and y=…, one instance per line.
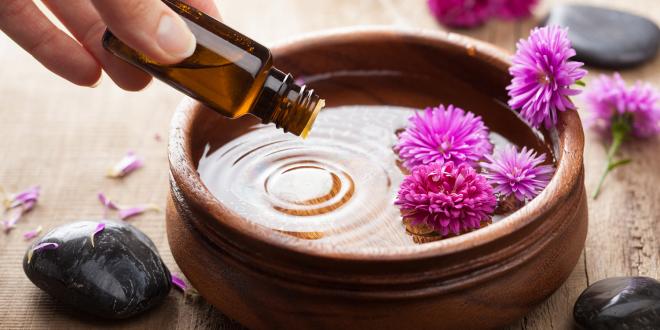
x=148, y=26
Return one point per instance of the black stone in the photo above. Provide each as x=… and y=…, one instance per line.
x=620, y=303
x=605, y=37
x=120, y=276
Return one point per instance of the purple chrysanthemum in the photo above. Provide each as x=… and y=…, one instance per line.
x=450, y=198
x=520, y=174
x=461, y=13
x=610, y=100
x=514, y=9
x=443, y=135
x=543, y=76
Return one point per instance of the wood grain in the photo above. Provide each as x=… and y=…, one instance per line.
x=64, y=137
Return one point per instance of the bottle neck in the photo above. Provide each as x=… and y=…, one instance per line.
x=287, y=104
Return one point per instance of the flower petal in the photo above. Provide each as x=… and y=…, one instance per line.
x=126, y=166
x=31, y=234
x=99, y=228
x=13, y=216
x=40, y=247
x=130, y=212
x=179, y=283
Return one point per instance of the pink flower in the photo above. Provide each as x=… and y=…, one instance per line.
x=443, y=135
x=471, y=13
x=462, y=13
x=450, y=198
x=543, y=76
x=520, y=174
x=609, y=100
x=622, y=111
x=515, y=9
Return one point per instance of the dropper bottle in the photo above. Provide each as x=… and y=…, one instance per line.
x=230, y=73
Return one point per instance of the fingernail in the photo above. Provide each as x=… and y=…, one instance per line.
x=97, y=83
x=174, y=37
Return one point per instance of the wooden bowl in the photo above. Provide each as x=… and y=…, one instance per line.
x=488, y=278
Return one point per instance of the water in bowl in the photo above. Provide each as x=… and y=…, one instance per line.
x=338, y=186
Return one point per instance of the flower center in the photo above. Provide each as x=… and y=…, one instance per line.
x=516, y=174
x=444, y=146
x=544, y=78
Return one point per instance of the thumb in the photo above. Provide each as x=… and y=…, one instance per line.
x=206, y=6
x=149, y=27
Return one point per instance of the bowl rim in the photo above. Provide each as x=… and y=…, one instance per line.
x=567, y=142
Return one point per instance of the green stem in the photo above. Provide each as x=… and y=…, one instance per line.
x=620, y=131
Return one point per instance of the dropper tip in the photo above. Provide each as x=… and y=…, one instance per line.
x=312, y=118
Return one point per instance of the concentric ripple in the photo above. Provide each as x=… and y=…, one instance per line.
x=339, y=183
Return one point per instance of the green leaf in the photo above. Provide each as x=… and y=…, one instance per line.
x=581, y=83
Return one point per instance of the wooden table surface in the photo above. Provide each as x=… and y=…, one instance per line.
x=64, y=138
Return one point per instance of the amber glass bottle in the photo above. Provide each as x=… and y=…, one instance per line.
x=229, y=73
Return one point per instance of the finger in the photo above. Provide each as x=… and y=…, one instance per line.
x=82, y=20
x=207, y=6
x=149, y=27
x=49, y=45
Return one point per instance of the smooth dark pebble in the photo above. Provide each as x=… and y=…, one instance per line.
x=605, y=37
x=620, y=303
x=120, y=276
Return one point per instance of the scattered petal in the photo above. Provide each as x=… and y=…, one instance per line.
x=136, y=210
x=126, y=165
x=31, y=234
x=179, y=283
x=28, y=205
x=27, y=198
x=42, y=246
x=158, y=138
x=99, y=228
x=19, y=204
x=125, y=212
x=13, y=216
x=107, y=203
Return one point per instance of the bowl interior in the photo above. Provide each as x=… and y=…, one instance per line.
x=349, y=169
